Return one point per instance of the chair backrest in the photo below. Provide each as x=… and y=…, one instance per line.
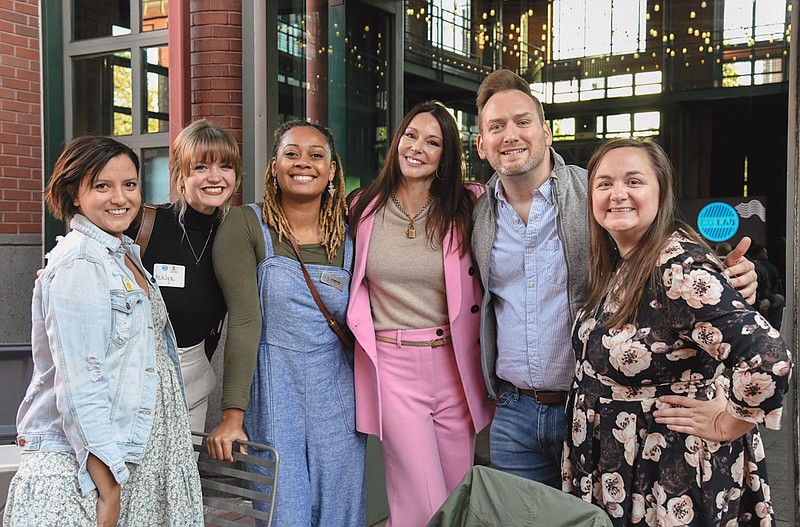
x=227, y=493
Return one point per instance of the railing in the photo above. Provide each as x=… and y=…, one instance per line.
x=461, y=42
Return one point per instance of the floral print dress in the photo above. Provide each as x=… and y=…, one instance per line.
x=693, y=330
x=162, y=491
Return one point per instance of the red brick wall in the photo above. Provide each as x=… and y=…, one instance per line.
x=216, y=62
x=20, y=128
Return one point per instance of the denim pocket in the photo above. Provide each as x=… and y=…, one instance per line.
x=505, y=397
x=125, y=315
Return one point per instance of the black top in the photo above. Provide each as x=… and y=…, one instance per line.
x=198, y=307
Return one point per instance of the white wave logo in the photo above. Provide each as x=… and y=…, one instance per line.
x=752, y=208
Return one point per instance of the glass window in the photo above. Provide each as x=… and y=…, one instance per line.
x=592, y=89
x=333, y=70
x=450, y=25
x=103, y=94
x=646, y=123
x=746, y=20
x=155, y=175
x=620, y=85
x=647, y=82
x=156, y=62
x=154, y=14
x=563, y=129
x=100, y=18
x=583, y=28
x=736, y=74
x=767, y=71
x=543, y=91
x=618, y=125
x=565, y=91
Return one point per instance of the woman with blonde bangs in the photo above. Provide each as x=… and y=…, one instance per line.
x=658, y=434
x=288, y=378
x=176, y=240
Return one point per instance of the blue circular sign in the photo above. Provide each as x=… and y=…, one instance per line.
x=718, y=221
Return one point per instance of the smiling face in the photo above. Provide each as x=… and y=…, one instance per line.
x=420, y=147
x=303, y=164
x=209, y=185
x=513, y=137
x=113, y=200
x=625, y=193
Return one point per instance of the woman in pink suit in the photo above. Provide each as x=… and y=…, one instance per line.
x=414, y=310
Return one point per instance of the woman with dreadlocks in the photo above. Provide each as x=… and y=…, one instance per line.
x=288, y=378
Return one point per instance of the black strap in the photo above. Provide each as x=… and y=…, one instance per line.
x=346, y=339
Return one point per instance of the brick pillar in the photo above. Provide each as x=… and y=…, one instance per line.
x=20, y=128
x=216, y=62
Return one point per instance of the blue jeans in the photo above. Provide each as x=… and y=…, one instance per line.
x=527, y=438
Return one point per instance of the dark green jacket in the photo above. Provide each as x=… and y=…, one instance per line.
x=490, y=498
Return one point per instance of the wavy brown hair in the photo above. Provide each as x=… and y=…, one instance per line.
x=333, y=210
x=640, y=266
x=452, y=201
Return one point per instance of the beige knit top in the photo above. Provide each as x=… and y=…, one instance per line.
x=405, y=276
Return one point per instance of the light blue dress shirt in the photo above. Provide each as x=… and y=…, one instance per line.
x=528, y=278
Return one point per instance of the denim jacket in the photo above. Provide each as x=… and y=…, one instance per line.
x=94, y=354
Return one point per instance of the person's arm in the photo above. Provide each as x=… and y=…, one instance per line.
x=108, y=492
x=742, y=272
x=78, y=319
x=236, y=257
x=738, y=337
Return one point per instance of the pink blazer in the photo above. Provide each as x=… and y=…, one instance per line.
x=463, y=305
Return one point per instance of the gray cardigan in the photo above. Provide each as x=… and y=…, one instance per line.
x=570, y=191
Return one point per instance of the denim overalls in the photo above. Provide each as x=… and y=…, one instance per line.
x=302, y=398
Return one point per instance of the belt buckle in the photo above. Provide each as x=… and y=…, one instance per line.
x=435, y=343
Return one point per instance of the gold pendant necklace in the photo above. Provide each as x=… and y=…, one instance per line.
x=411, y=230
x=203, y=251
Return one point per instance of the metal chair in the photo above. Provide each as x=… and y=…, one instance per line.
x=227, y=495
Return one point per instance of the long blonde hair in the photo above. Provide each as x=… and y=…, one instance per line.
x=640, y=265
x=333, y=209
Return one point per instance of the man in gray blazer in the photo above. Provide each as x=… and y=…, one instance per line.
x=531, y=244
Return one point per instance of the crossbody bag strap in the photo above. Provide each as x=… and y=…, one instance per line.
x=334, y=325
x=145, y=228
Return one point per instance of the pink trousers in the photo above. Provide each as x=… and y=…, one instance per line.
x=428, y=438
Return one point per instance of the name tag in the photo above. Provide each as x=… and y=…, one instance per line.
x=169, y=275
x=127, y=283
x=333, y=281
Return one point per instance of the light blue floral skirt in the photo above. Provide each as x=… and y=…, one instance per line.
x=163, y=490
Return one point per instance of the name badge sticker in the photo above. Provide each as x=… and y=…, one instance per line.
x=169, y=275
x=333, y=280
x=127, y=283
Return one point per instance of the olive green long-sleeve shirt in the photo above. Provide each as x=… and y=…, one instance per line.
x=238, y=249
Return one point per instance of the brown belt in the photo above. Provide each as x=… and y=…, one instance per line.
x=542, y=397
x=545, y=397
x=435, y=343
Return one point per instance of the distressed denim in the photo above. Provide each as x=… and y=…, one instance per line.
x=94, y=379
x=527, y=438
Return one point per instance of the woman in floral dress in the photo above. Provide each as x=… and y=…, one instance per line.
x=658, y=435
x=103, y=426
